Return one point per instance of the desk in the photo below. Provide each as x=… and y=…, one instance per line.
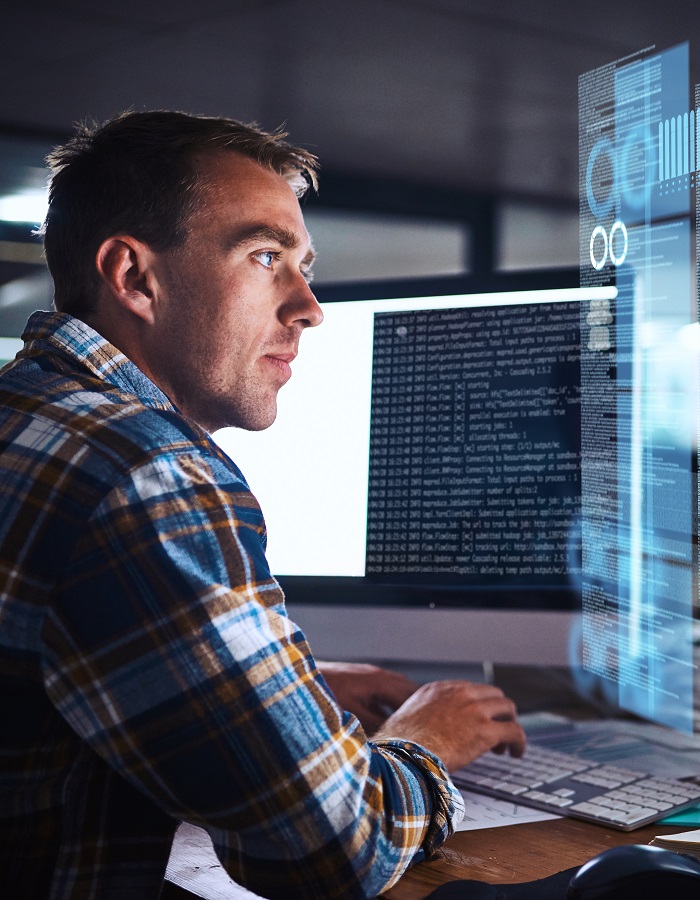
x=505, y=855
x=517, y=853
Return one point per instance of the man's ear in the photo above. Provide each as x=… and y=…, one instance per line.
x=125, y=266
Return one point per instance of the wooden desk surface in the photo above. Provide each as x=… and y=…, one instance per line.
x=504, y=855
x=517, y=853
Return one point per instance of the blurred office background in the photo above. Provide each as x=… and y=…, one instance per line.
x=447, y=129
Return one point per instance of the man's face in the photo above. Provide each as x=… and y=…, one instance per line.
x=234, y=297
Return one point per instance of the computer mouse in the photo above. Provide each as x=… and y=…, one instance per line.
x=637, y=872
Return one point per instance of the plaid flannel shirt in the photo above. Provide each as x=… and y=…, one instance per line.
x=148, y=671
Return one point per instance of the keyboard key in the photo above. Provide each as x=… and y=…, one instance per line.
x=638, y=815
x=594, y=778
x=485, y=781
x=590, y=808
x=557, y=775
x=510, y=788
x=559, y=802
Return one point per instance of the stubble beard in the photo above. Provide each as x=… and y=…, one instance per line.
x=251, y=406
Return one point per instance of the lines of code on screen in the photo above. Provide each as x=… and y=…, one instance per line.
x=475, y=444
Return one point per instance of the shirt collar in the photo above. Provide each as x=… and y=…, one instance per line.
x=76, y=341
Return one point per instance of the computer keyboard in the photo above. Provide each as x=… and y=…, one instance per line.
x=573, y=786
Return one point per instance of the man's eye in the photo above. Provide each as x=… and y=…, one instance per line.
x=266, y=258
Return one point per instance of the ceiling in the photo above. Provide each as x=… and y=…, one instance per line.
x=454, y=97
x=459, y=93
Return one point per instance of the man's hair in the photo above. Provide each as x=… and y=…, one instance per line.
x=138, y=174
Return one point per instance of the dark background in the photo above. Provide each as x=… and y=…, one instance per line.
x=461, y=112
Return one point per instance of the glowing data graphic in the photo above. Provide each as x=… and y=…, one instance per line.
x=638, y=143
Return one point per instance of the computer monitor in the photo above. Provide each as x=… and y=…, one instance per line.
x=421, y=483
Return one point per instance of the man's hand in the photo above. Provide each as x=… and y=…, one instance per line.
x=457, y=721
x=367, y=691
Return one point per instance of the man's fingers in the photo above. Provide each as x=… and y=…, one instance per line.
x=458, y=721
x=511, y=737
x=507, y=733
x=500, y=709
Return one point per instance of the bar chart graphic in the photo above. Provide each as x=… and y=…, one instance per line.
x=679, y=137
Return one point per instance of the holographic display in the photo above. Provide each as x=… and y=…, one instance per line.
x=638, y=143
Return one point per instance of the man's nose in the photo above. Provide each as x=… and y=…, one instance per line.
x=302, y=306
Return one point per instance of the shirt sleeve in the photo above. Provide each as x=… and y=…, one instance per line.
x=168, y=650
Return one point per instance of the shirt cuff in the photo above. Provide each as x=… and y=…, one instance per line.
x=448, y=803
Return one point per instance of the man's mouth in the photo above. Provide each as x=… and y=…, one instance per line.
x=282, y=362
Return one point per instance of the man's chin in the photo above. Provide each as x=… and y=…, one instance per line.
x=247, y=413
x=254, y=420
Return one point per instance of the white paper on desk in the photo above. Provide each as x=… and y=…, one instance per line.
x=194, y=865
x=685, y=837
x=486, y=812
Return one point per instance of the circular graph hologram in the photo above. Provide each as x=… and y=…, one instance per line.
x=603, y=206
x=598, y=231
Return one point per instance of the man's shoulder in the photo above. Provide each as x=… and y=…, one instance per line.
x=43, y=405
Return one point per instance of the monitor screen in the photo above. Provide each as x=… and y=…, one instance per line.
x=421, y=484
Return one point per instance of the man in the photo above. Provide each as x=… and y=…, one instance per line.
x=148, y=671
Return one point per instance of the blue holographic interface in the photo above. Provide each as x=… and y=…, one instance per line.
x=639, y=144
